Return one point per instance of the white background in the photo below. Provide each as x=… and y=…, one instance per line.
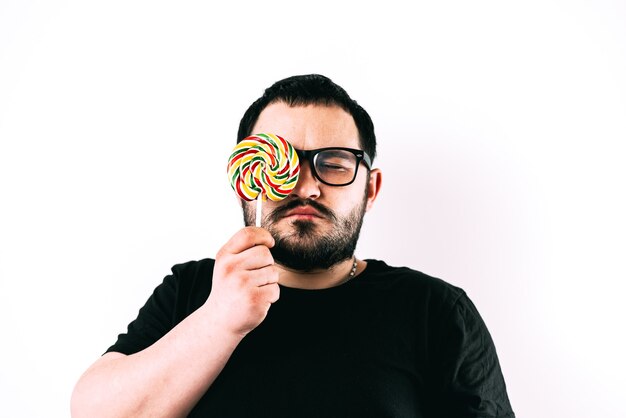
x=501, y=128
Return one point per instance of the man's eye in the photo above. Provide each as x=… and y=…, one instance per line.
x=333, y=167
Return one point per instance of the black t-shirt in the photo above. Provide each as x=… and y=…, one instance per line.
x=391, y=342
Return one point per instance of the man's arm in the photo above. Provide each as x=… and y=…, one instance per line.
x=473, y=381
x=169, y=377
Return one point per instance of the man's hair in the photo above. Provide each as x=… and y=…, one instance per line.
x=312, y=89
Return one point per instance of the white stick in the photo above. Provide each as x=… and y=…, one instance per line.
x=259, y=205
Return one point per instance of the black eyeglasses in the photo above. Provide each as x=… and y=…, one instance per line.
x=335, y=166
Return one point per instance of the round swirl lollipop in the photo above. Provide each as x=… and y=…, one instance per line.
x=263, y=165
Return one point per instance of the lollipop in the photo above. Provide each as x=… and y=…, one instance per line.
x=263, y=165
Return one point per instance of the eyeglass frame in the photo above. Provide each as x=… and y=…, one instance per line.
x=309, y=156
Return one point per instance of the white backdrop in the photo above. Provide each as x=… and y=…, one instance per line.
x=501, y=128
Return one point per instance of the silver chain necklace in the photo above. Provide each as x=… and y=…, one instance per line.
x=351, y=274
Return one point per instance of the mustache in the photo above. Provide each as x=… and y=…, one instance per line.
x=282, y=210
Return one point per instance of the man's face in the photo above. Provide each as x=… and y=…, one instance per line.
x=317, y=225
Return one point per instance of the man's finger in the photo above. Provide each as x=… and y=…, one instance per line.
x=246, y=238
x=263, y=276
x=254, y=258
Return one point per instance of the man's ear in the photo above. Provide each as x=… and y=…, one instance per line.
x=373, y=187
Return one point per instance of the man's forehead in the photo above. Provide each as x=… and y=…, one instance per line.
x=310, y=126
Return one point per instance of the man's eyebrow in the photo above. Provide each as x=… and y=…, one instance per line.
x=337, y=152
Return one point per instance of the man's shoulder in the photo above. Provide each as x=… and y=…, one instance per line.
x=191, y=281
x=194, y=277
x=380, y=270
x=194, y=268
x=413, y=282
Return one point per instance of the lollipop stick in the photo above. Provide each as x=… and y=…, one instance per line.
x=259, y=206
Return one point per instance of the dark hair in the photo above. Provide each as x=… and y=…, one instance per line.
x=302, y=90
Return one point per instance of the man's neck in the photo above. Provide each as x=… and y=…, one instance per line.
x=320, y=278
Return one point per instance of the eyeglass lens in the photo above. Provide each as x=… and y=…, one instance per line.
x=336, y=166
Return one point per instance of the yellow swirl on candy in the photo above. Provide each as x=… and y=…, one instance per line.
x=265, y=165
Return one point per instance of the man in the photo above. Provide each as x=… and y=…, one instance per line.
x=286, y=322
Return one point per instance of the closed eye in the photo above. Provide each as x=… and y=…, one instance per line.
x=333, y=166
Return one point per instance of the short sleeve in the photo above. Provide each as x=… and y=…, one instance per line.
x=154, y=320
x=472, y=380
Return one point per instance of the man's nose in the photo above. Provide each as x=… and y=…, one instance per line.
x=307, y=186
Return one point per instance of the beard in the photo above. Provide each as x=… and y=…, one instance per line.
x=305, y=247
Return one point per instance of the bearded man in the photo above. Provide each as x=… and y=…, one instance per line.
x=286, y=321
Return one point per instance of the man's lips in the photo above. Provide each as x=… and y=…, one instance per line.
x=308, y=212
x=305, y=209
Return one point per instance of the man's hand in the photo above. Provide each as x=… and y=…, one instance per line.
x=191, y=355
x=245, y=281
